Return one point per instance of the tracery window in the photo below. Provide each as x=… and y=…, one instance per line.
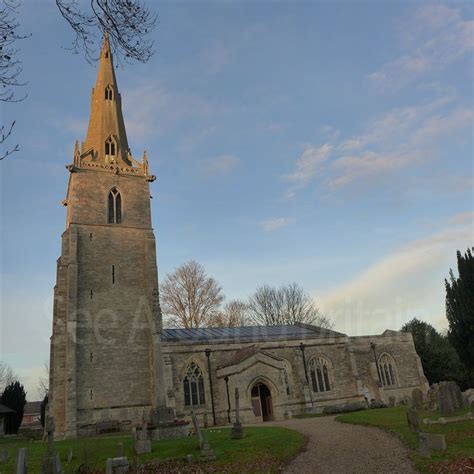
x=114, y=207
x=109, y=93
x=387, y=370
x=110, y=147
x=193, y=385
x=319, y=371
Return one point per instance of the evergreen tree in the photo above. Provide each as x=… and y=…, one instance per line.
x=14, y=397
x=439, y=359
x=460, y=308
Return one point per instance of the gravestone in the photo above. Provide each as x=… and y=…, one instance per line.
x=120, y=450
x=134, y=432
x=142, y=445
x=445, y=399
x=117, y=465
x=207, y=454
x=433, y=398
x=413, y=421
x=433, y=441
x=391, y=401
x=237, y=432
x=197, y=429
x=69, y=455
x=21, y=461
x=417, y=399
x=4, y=455
x=51, y=463
x=457, y=395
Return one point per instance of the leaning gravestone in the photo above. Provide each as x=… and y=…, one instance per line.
x=117, y=465
x=197, y=429
x=237, y=432
x=413, y=421
x=417, y=399
x=445, y=399
x=21, y=461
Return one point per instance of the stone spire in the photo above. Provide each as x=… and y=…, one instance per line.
x=106, y=140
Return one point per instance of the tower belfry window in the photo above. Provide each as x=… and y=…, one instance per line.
x=110, y=147
x=109, y=93
x=114, y=214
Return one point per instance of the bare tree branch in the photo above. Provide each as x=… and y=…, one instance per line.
x=288, y=304
x=126, y=22
x=190, y=298
x=236, y=313
x=3, y=137
x=43, y=381
x=7, y=376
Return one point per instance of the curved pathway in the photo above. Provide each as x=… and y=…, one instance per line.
x=335, y=447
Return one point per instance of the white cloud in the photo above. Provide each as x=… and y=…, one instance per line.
x=405, y=284
x=402, y=137
x=270, y=225
x=221, y=165
x=436, y=37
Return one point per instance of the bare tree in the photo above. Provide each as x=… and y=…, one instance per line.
x=126, y=22
x=10, y=66
x=189, y=297
x=234, y=314
x=7, y=376
x=288, y=304
x=43, y=381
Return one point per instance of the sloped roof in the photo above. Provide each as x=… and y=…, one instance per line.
x=32, y=408
x=248, y=333
x=4, y=409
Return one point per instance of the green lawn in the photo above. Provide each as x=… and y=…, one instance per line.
x=263, y=449
x=459, y=435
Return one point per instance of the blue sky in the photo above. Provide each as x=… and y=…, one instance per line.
x=327, y=143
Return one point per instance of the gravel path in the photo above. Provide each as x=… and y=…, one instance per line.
x=335, y=447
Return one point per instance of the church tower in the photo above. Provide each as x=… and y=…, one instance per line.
x=105, y=362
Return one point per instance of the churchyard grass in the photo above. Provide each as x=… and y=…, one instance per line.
x=263, y=449
x=459, y=435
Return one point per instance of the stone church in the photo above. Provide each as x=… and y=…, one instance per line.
x=112, y=361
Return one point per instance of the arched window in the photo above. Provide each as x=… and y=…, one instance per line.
x=319, y=370
x=110, y=147
x=109, y=93
x=387, y=370
x=114, y=207
x=193, y=385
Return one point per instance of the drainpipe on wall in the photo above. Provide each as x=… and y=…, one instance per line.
x=302, y=347
x=208, y=355
x=228, y=397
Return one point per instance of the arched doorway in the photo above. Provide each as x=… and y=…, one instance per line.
x=262, y=402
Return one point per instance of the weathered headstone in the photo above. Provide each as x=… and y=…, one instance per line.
x=417, y=399
x=445, y=399
x=69, y=455
x=457, y=395
x=189, y=458
x=142, y=445
x=4, y=455
x=207, y=454
x=120, y=450
x=197, y=429
x=423, y=447
x=391, y=401
x=237, y=432
x=51, y=463
x=413, y=421
x=433, y=441
x=21, y=461
x=433, y=398
x=117, y=465
x=134, y=432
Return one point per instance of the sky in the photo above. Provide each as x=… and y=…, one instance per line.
x=324, y=143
